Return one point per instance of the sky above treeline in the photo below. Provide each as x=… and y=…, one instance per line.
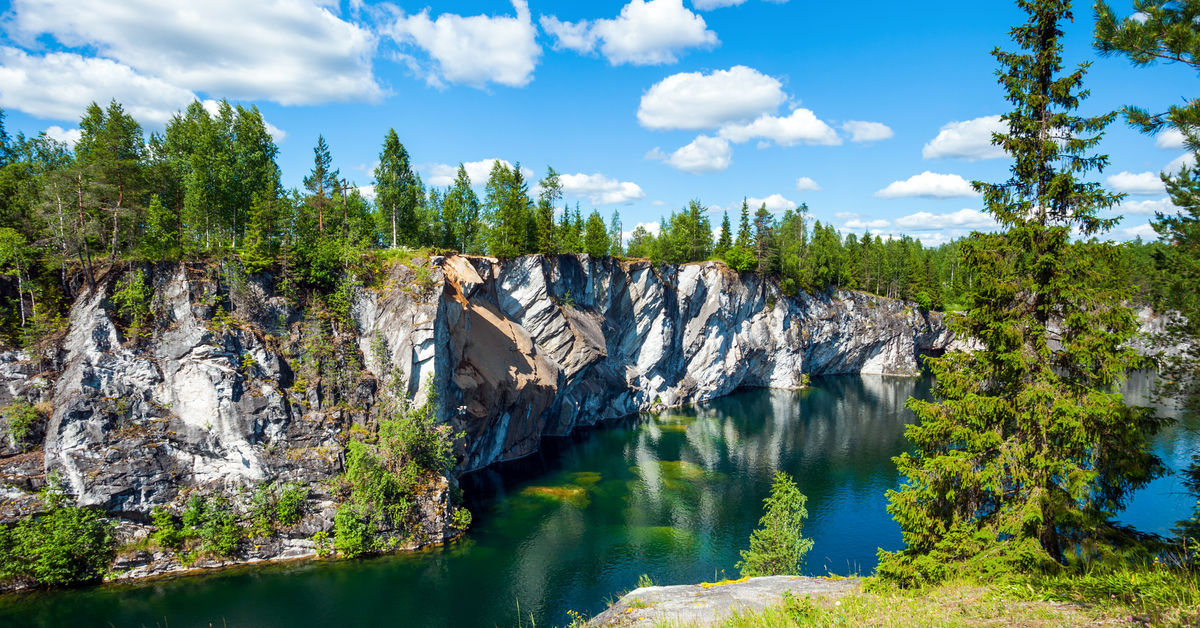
x=877, y=114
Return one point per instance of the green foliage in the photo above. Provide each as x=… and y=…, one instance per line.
x=595, y=238
x=20, y=417
x=383, y=477
x=741, y=259
x=166, y=532
x=211, y=526
x=777, y=547
x=461, y=519
x=65, y=545
x=132, y=297
x=352, y=533
x=1028, y=449
x=644, y=581
x=290, y=507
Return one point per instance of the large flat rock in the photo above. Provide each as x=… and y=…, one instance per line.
x=708, y=604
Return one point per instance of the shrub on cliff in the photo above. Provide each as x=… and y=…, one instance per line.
x=777, y=547
x=64, y=545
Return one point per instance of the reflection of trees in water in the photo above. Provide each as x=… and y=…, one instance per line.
x=1179, y=440
x=842, y=431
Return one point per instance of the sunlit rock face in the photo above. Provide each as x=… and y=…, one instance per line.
x=515, y=350
x=539, y=346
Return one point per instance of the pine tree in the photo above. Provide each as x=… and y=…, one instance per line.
x=616, y=233
x=551, y=192
x=724, y=241
x=595, y=239
x=1170, y=32
x=321, y=183
x=1028, y=448
x=764, y=241
x=395, y=192
x=460, y=211
x=777, y=547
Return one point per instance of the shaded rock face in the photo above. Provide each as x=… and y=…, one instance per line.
x=515, y=351
x=539, y=346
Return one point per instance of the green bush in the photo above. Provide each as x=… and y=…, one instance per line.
x=352, y=533
x=66, y=545
x=461, y=518
x=211, y=525
x=20, y=417
x=132, y=297
x=290, y=506
x=776, y=547
x=166, y=532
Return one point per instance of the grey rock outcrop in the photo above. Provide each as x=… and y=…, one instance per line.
x=515, y=350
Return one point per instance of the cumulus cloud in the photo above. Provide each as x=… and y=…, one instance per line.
x=806, y=184
x=858, y=224
x=367, y=192
x=1170, y=139
x=599, y=189
x=1163, y=205
x=1144, y=231
x=694, y=100
x=861, y=131
x=60, y=85
x=929, y=185
x=293, y=52
x=472, y=50
x=1177, y=164
x=963, y=219
x=801, y=126
x=704, y=154
x=970, y=140
x=1139, y=183
x=709, y=5
x=647, y=32
x=66, y=136
x=577, y=36
x=774, y=203
x=443, y=175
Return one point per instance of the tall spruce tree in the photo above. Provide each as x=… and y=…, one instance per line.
x=551, y=191
x=460, y=210
x=395, y=192
x=1028, y=448
x=1169, y=32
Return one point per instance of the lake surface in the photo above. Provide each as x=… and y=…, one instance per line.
x=673, y=496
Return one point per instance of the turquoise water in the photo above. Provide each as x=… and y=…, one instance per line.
x=673, y=496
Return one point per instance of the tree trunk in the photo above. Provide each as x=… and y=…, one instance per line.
x=393, y=226
x=20, y=293
x=85, y=255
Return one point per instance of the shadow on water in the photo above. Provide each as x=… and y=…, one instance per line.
x=673, y=495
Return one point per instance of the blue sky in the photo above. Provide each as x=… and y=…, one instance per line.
x=876, y=117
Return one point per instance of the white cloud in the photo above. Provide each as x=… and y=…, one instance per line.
x=704, y=154
x=867, y=131
x=647, y=32
x=652, y=227
x=577, y=36
x=60, y=85
x=1177, y=164
x=970, y=140
x=709, y=5
x=806, y=184
x=66, y=136
x=1139, y=183
x=277, y=133
x=443, y=175
x=1145, y=232
x=472, y=50
x=292, y=52
x=930, y=185
x=963, y=219
x=1170, y=139
x=658, y=203
x=801, y=126
x=599, y=189
x=1163, y=205
x=694, y=100
x=859, y=224
x=367, y=191
x=774, y=203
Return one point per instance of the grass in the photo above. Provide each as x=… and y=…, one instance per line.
x=1139, y=595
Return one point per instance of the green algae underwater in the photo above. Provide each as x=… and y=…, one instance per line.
x=673, y=496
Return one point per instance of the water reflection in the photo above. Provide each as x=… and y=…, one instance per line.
x=673, y=495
